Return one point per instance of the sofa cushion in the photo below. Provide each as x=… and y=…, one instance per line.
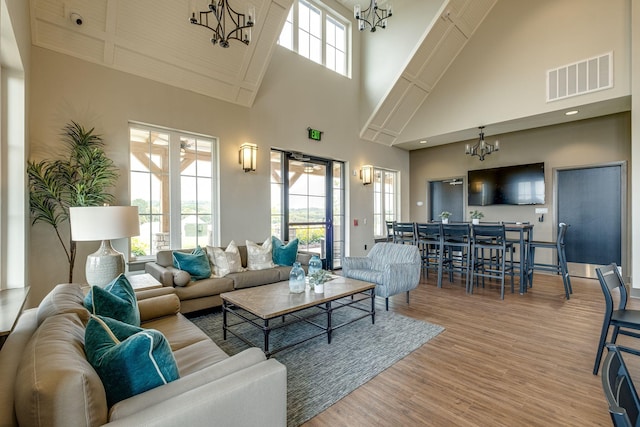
x=58, y=386
x=248, y=279
x=205, y=288
x=225, y=261
x=196, y=263
x=259, y=257
x=284, y=254
x=64, y=298
x=129, y=360
x=179, y=331
x=116, y=300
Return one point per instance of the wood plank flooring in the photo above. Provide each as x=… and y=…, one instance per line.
x=524, y=361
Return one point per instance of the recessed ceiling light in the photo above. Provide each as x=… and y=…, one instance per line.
x=571, y=113
x=423, y=142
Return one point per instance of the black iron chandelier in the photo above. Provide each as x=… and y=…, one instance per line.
x=226, y=23
x=481, y=148
x=374, y=16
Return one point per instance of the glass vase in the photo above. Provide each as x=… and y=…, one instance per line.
x=296, y=279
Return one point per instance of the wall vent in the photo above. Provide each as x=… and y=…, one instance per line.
x=580, y=77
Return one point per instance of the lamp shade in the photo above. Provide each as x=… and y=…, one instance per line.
x=91, y=223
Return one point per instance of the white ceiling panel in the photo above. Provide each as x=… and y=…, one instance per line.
x=154, y=39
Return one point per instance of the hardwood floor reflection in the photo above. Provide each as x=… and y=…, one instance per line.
x=524, y=361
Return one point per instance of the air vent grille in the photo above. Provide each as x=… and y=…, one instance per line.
x=580, y=77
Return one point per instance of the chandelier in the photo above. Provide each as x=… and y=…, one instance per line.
x=481, y=148
x=373, y=16
x=226, y=23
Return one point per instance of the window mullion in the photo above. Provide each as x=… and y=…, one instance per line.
x=174, y=191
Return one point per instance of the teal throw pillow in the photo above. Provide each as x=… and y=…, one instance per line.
x=116, y=300
x=196, y=263
x=284, y=254
x=129, y=360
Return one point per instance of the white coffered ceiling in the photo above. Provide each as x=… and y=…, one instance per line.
x=154, y=39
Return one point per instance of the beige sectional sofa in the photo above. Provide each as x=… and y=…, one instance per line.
x=205, y=293
x=47, y=381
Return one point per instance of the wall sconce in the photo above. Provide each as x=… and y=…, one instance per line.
x=366, y=174
x=247, y=156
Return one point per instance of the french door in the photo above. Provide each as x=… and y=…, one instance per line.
x=307, y=197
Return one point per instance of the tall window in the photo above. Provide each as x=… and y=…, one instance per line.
x=172, y=183
x=385, y=200
x=317, y=33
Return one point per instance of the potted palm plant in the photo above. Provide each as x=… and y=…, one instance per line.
x=81, y=178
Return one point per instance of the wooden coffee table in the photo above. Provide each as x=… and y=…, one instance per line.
x=260, y=305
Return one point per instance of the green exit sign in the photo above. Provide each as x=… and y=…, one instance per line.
x=314, y=134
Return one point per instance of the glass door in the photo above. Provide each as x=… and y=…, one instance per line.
x=306, y=203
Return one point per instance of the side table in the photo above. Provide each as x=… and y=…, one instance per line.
x=11, y=303
x=144, y=281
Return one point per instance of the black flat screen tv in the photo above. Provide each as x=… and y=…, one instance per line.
x=510, y=185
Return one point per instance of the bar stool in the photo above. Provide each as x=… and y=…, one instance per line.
x=430, y=242
x=491, y=238
x=456, y=241
x=560, y=266
x=404, y=233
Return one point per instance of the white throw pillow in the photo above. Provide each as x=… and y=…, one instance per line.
x=225, y=262
x=259, y=257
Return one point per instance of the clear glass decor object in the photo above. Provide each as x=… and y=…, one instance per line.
x=314, y=264
x=296, y=279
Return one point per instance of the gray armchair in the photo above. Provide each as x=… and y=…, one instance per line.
x=394, y=268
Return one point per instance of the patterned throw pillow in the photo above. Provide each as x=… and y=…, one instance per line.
x=259, y=257
x=284, y=254
x=129, y=360
x=225, y=262
x=116, y=300
x=196, y=263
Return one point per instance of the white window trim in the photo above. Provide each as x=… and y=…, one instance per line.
x=174, y=182
x=338, y=17
x=396, y=199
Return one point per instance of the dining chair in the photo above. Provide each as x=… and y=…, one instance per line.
x=430, y=242
x=389, y=225
x=624, y=321
x=404, y=233
x=619, y=390
x=456, y=241
x=492, y=239
x=560, y=264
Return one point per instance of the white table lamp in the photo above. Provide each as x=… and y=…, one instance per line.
x=91, y=223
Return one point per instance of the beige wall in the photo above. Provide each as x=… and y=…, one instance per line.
x=295, y=94
x=583, y=143
x=501, y=73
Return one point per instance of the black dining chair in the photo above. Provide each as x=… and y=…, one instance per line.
x=491, y=240
x=623, y=320
x=619, y=390
x=560, y=264
x=431, y=244
x=404, y=233
x=389, y=225
x=457, y=250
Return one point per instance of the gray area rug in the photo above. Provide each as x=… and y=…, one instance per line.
x=319, y=374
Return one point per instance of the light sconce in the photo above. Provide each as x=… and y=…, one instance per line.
x=247, y=156
x=366, y=174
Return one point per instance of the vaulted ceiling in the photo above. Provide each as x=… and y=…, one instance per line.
x=154, y=39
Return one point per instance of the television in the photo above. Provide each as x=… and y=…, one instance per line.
x=510, y=185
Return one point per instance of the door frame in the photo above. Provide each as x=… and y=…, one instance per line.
x=588, y=270
x=447, y=179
